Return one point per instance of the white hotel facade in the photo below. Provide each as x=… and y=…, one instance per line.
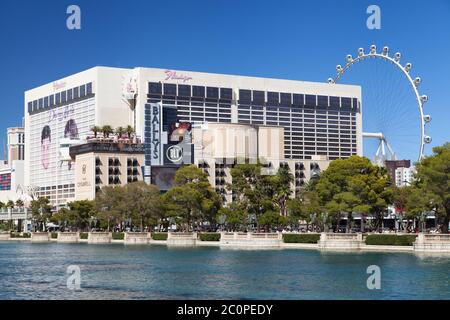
x=320, y=121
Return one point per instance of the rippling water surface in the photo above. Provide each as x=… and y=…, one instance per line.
x=38, y=271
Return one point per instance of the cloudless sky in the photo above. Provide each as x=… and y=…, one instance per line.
x=299, y=40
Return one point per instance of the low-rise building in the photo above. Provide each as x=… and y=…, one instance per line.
x=102, y=163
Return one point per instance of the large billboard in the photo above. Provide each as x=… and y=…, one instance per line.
x=50, y=131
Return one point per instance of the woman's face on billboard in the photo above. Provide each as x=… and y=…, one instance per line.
x=45, y=147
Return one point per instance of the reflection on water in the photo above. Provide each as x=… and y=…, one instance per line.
x=38, y=271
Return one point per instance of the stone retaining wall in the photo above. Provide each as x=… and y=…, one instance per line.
x=181, y=239
x=68, y=237
x=99, y=237
x=137, y=238
x=40, y=237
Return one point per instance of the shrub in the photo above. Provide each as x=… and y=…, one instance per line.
x=211, y=236
x=159, y=236
x=390, y=240
x=84, y=235
x=25, y=235
x=54, y=235
x=118, y=236
x=301, y=238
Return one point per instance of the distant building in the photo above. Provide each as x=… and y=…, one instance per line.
x=392, y=165
x=16, y=144
x=11, y=180
x=404, y=176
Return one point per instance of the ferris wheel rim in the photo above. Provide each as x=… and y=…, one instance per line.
x=421, y=99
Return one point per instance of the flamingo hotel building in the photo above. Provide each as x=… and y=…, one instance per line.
x=182, y=117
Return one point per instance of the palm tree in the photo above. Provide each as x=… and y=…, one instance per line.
x=96, y=130
x=129, y=130
x=19, y=203
x=107, y=130
x=10, y=204
x=120, y=131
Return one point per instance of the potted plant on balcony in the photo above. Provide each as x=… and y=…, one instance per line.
x=107, y=130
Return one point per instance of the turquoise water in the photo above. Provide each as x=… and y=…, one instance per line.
x=38, y=271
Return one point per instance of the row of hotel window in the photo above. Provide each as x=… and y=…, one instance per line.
x=248, y=97
x=60, y=98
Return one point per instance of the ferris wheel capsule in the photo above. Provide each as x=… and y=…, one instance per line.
x=338, y=68
x=360, y=52
x=349, y=58
x=385, y=51
x=427, y=139
x=408, y=67
x=330, y=81
x=417, y=81
x=424, y=98
x=373, y=49
x=427, y=118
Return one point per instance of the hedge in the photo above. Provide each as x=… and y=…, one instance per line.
x=118, y=236
x=390, y=240
x=54, y=235
x=211, y=236
x=20, y=236
x=159, y=236
x=84, y=235
x=301, y=238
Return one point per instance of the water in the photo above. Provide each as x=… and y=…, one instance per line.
x=38, y=271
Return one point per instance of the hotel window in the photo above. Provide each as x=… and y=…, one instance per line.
x=76, y=93
x=35, y=105
x=346, y=102
x=89, y=88
x=212, y=92
x=52, y=100
x=58, y=98
x=69, y=94
x=184, y=90
x=41, y=103
x=335, y=102
x=310, y=100
x=322, y=101
x=82, y=91
x=285, y=99
x=63, y=97
x=226, y=94
x=245, y=96
x=273, y=98
x=155, y=88
x=30, y=107
x=170, y=89
x=46, y=102
x=258, y=97
x=198, y=91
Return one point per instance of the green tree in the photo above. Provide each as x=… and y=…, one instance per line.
x=253, y=191
x=10, y=204
x=143, y=202
x=354, y=185
x=192, y=199
x=432, y=178
x=111, y=206
x=236, y=219
x=41, y=211
x=80, y=213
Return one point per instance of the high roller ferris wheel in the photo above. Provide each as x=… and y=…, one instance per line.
x=384, y=150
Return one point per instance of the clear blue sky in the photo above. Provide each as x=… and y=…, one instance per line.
x=302, y=40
